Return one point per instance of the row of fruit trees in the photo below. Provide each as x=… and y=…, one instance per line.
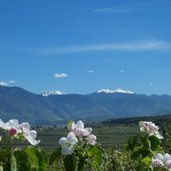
x=79, y=151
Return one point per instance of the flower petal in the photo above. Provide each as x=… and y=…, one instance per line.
x=62, y=141
x=13, y=123
x=80, y=125
x=87, y=131
x=91, y=139
x=67, y=150
x=72, y=138
x=25, y=125
x=32, y=141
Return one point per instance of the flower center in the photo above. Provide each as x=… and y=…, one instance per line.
x=12, y=132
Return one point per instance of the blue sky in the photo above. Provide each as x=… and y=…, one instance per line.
x=83, y=46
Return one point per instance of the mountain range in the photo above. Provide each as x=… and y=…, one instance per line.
x=57, y=107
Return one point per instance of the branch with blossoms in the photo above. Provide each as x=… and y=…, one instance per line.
x=19, y=131
x=76, y=136
x=80, y=149
x=14, y=158
x=145, y=145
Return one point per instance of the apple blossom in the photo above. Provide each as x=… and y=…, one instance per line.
x=162, y=160
x=150, y=128
x=91, y=139
x=79, y=130
x=14, y=128
x=68, y=143
x=11, y=124
x=157, y=163
x=30, y=135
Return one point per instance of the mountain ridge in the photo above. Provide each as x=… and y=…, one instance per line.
x=21, y=104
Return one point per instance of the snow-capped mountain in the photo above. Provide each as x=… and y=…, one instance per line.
x=53, y=92
x=115, y=91
x=18, y=103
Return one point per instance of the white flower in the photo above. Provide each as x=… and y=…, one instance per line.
x=168, y=164
x=14, y=128
x=68, y=143
x=30, y=135
x=167, y=160
x=162, y=160
x=157, y=163
x=79, y=130
x=159, y=156
x=91, y=139
x=11, y=124
x=150, y=128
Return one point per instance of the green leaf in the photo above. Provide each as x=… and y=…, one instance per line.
x=3, y=155
x=69, y=163
x=13, y=163
x=145, y=142
x=30, y=159
x=141, y=153
x=81, y=163
x=55, y=156
x=131, y=143
x=145, y=164
x=33, y=157
x=45, y=156
x=147, y=161
x=70, y=125
x=98, y=156
x=155, y=142
x=41, y=161
x=23, y=161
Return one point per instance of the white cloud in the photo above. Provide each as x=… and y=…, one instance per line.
x=3, y=83
x=62, y=75
x=130, y=7
x=130, y=46
x=90, y=71
x=122, y=71
x=111, y=10
x=12, y=82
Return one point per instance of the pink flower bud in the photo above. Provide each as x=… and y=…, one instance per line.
x=12, y=132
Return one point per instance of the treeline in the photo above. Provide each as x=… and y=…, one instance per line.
x=159, y=120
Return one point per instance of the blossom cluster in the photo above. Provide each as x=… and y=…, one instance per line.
x=22, y=130
x=76, y=134
x=162, y=160
x=150, y=128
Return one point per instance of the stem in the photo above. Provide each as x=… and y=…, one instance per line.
x=9, y=151
x=1, y=146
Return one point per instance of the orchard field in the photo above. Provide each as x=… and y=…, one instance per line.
x=107, y=136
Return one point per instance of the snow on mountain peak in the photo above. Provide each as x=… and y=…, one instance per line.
x=53, y=92
x=115, y=91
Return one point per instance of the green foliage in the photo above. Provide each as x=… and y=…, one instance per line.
x=137, y=156
x=93, y=157
x=98, y=157
x=54, y=156
x=70, y=124
x=13, y=163
x=69, y=163
x=23, y=161
x=120, y=161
